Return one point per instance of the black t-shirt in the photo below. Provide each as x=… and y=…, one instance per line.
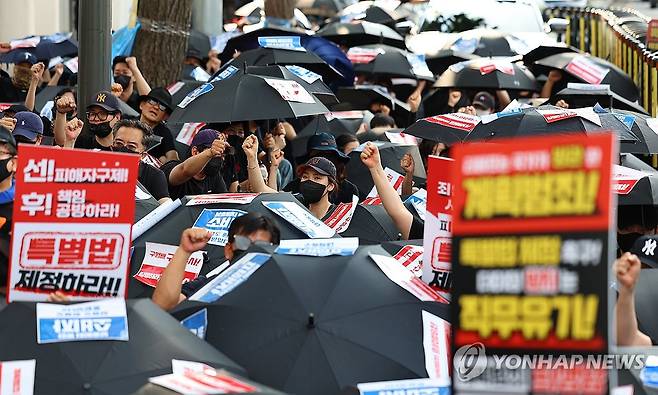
x=154, y=180
x=9, y=93
x=344, y=194
x=214, y=184
x=133, y=101
x=417, y=229
x=87, y=140
x=167, y=143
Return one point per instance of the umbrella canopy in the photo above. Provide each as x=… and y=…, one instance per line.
x=545, y=50
x=592, y=70
x=371, y=11
x=46, y=94
x=302, y=76
x=578, y=96
x=641, y=186
x=632, y=161
x=386, y=61
x=178, y=90
x=48, y=47
x=483, y=43
x=198, y=43
x=488, y=73
x=310, y=333
x=360, y=97
x=444, y=58
x=324, y=8
x=372, y=225
x=249, y=40
x=105, y=367
x=244, y=97
x=390, y=154
x=337, y=126
x=168, y=231
x=447, y=128
x=357, y=33
x=644, y=128
x=144, y=204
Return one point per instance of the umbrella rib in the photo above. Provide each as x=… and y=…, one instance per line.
x=370, y=309
x=323, y=353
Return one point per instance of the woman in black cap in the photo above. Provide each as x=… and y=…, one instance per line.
x=154, y=110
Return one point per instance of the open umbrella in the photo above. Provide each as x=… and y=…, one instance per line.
x=484, y=43
x=545, y=50
x=338, y=125
x=390, y=154
x=169, y=229
x=636, y=187
x=310, y=81
x=244, y=97
x=487, y=73
x=440, y=61
x=446, y=128
x=371, y=11
x=360, y=97
x=357, y=33
x=587, y=96
x=323, y=8
x=249, y=40
x=644, y=128
x=592, y=70
x=313, y=330
x=198, y=42
x=144, y=203
x=48, y=47
x=179, y=89
x=46, y=94
x=105, y=367
x=386, y=61
x=372, y=225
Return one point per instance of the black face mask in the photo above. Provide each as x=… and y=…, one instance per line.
x=4, y=173
x=626, y=241
x=122, y=80
x=101, y=130
x=234, y=140
x=311, y=191
x=213, y=167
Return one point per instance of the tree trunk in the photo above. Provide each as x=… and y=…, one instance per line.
x=161, y=42
x=283, y=9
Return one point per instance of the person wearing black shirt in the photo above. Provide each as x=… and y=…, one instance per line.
x=127, y=74
x=155, y=108
x=201, y=172
x=14, y=89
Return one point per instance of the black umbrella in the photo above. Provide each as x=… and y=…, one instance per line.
x=592, y=70
x=244, y=97
x=153, y=389
x=199, y=43
x=249, y=40
x=487, y=73
x=386, y=61
x=580, y=97
x=46, y=94
x=335, y=126
x=58, y=44
x=640, y=187
x=644, y=128
x=169, y=229
x=446, y=128
x=298, y=73
x=180, y=89
x=632, y=161
x=444, y=58
x=324, y=8
x=105, y=367
x=482, y=42
x=314, y=330
x=372, y=225
x=369, y=11
x=357, y=33
x=544, y=51
x=390, y=155
x=360, y=97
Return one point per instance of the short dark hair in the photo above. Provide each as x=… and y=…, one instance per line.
x=117, y=60
x=253, y=222
x=344, y=139
x=147, y=132
x=382, y=120
x=66, y=90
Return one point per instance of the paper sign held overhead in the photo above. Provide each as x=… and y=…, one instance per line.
x=301, y=218
x=156, y=259
x=319, y=247
x=290, y=91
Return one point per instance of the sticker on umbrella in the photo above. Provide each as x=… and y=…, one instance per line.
x=197, y=323
x=197, y=378
x=465, y=45
x=503, y=67
x=627, y=119
x=460, y=121
x=319, y=247
x=222, y=198
x=17, y=377
x=230, y=278
x=105, y=319
x=406, y=387
x=358, y=55
x=406, y=279
x=301, y=219
x=282, y=42
x=401, y=138
x=290, y=91
x=588, y=71
x=201, y=90
x=307, y=75
x=229, y=72
x=624, y=179
x=156, y=259
x=217, y=221
x=556, y=115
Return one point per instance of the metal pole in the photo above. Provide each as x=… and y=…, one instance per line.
x=95, y=49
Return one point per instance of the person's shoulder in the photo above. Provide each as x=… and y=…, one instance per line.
x=167, y=167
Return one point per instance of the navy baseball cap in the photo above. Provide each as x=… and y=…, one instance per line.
x=646, y=249
x=28, y=125
x=105, y=100
x=204, y=138
x=319, y=164
x=26, y=57
x=325, y=142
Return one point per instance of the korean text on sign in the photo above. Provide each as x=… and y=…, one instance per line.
x=69, y=233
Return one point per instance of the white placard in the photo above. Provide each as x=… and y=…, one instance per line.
x=17, y=377
x=319, y=247
x=301, y=218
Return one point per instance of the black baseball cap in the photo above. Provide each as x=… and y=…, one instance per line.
x=105, y=100
x=6, y=137
x=162, y=96
x=484, y=101
x=325, y=142
x=646, y=249
x=321, y=165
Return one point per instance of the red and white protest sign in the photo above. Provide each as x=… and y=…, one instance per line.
x=341, y=217
x=460, y=121
x=394, y=178
x=222, y=198
x=344, y=115
x=73, y=214
x=625, y=178
x=411, y=257
x=358, y=55
x=175, y=87
x=17, y=377
x=401, y=138
x=198, y=378
x=290, y=91
x=372, y=201
x=559, y=114
x=188, y=131
x=151, y=160
x=156, y=259
x=437, y=238
x=505, y=68
x=436, y=344
x=4, y=106
x=585, y=69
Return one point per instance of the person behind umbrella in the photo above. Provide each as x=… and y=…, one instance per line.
x=154, y=110
x=7, y=169
x=347, y=143
x=14, y=89
x=324, y=145
x=128, y=76
x=317, y=179
x=201, y=172
x=407, y=224
x=29, y=128
x=273, y=141
x=248, y=229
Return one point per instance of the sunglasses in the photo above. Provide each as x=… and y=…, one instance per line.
x=159, y=105
x=243, y=243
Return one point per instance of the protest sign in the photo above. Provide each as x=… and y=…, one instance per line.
x=282, y=42
x=300, y=218
x=419, y=202
x=406, y=387
x=532, y=223
x=17, y=377
x=411, y=257
x=222, y=198
x=290, y=90
x=69, y=234
x=624, y=179
x=195, y=378
x=156, y=259
x=339, y=219
x=188, y=131
x=394, y=178
x=104, y=319
x=584, y=68
x=437, y=236
x=217, y=221
x=406, y=279
x=436, y=343
x=460, y=121
x=318, y=247
x=230, y=278
x=197, y=323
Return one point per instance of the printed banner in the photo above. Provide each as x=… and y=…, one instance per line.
x=282, y=42
x=17, y=377
x=217, y=221
x=104, y=319
x=406, y=279
x=585, y=69
x=290, y=90
x=69, y=234
x=460, y=121
x=301, y=219
x=156, y=259
x=339, y=220
x=436, y=343
x=222, y=198
x=411, y=257
x=345, y=246
x=197, y=323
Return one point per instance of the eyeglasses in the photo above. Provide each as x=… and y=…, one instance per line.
x=156, y=104
x=98, y=116
x=121, y=144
